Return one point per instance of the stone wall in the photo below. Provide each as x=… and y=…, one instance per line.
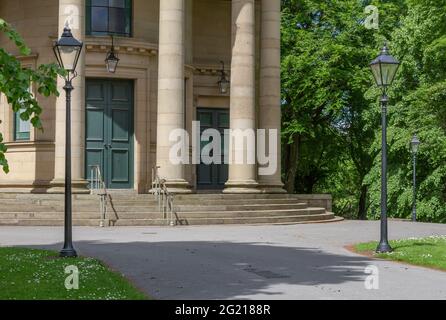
x=317, y=200
x=31, y=162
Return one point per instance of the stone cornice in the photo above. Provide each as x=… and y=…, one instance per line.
x=31, y=57
x=209, y=69
x=29, y=145
x=122, y=45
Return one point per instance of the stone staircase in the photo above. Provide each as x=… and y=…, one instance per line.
x=127, y=209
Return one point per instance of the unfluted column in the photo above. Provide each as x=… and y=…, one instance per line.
x=73, y=12
x=171, y=91
x=269, y=95
x=243, y=174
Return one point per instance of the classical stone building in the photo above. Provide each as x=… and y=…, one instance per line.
x=167, y=77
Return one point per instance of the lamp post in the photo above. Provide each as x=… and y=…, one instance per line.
x=223, y=83
x=112, y=60
x=384, y=69
x=414, y=145
x=67, y=51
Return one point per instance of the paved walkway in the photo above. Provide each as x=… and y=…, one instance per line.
x=249, y=262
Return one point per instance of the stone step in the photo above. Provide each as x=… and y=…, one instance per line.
x=210, y=203
x=148, y=201
x=134, y=209
x=239, y=220
x=238, y=207
x=155, y=214
x=126, y=196
x=76, y=203
x=48, y=222
x=11, y=209
x=326, y=217
x=219, y=196
x=250, y=213
x=132, y=196
x=180, y=208
x=76, y=208
x=45, y=196
x=94, y=204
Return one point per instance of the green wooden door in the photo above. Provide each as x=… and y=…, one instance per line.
x=213, y=176
x=109, y=131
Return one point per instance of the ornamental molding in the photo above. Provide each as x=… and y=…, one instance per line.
x=122, y=46
x=209, y=69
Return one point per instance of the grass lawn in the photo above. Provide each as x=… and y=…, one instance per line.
x=427, y=252
x=29, y=274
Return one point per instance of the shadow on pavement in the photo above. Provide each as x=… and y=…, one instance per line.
x=221, y=270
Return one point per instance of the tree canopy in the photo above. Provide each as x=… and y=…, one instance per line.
x=331, y=114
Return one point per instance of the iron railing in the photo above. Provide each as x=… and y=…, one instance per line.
x=98, y=187
x=164, y=197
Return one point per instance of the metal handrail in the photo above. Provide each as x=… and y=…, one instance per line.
x=163, y=196
x=98, y=187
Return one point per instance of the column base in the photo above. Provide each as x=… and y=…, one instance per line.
x=31, y=186
x=247, y=187
x=178, y=186
x=77, y=187
x=272, y=188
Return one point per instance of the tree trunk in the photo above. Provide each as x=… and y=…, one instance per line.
x=362, y=212
x=310, y=186
x=292, y=164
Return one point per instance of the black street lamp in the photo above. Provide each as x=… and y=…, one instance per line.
x=384, y=69
x=67, y=50
x=112, y=60
x=414, y=145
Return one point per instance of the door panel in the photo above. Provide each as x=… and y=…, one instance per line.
x=213, y=176
x=109, y=131
x=95, y=91
x=120, y=125
x=119, y=166
x=95, y=126
x=95, y=123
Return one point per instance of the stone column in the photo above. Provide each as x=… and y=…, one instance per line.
x=269, y=95
x=171, y=91
x=242, y=176
x=73, y=12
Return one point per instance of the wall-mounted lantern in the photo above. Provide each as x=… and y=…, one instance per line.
x=223, y=83
x=112, y=59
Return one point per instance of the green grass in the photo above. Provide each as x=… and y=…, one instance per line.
x=427, y=252
x=29, y=274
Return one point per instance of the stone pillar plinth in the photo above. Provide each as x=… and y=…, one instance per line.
x=242, y=176
x=171, y=91
x=73, y=12
x=269, y=95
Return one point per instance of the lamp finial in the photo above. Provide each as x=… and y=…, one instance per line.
x=385, y=49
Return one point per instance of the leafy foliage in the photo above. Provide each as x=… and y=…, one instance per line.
x=15, y=82
x=331, y=114
x=420, y=92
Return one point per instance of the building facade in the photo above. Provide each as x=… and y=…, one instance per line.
x=170, y=64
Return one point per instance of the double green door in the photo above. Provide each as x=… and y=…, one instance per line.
x=109, y=131
x=213, y=176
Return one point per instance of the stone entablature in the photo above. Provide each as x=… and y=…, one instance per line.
x=125, y=46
